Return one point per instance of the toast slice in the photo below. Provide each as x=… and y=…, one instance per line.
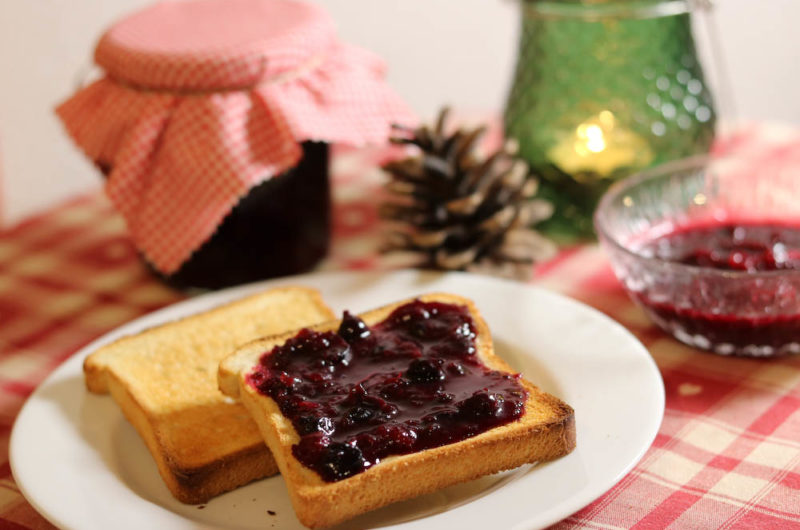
x=545, y=431
x=165, y=381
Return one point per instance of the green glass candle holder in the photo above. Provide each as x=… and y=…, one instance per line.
x=603, y=89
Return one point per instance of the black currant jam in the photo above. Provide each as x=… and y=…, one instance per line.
x=409, y=383
x=733, y=247
x=750, y=314
x=281, y=227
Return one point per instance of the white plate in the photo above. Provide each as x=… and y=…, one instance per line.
x=79, y=462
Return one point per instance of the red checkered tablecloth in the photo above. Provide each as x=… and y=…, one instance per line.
x=727, y=454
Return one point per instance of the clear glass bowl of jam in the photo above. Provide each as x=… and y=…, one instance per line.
x=710, y=249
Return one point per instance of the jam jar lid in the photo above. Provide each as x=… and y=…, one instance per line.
x=214, y=45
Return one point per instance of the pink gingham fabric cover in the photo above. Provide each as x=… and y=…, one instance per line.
x=203, y=100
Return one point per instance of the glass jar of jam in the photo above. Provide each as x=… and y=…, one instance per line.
x=212, y=125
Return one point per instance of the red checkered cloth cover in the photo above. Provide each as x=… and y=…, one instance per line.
x=203, y=100
x=727, y=454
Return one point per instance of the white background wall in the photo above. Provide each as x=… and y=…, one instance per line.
x=439, y=51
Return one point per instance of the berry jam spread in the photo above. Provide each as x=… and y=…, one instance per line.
x=750, y=315
x=409, y=383
x=750, y=248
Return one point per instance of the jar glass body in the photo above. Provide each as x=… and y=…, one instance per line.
x=281, y=227
x=603, y=90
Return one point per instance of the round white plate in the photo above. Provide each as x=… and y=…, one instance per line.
x=82, y=465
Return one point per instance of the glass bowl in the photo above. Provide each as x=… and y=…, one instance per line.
x=730, y=312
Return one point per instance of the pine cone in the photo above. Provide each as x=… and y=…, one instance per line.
x=461, y=211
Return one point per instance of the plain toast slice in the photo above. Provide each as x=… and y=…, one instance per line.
x=165, y=381
x=544, y=432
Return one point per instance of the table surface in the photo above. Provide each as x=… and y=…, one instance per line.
x=727, y=454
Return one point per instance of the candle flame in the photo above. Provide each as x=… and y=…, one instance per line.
x=600, y=145
x=594, y=139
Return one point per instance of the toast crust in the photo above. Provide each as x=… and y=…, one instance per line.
x=546, y=431
x=164, y=380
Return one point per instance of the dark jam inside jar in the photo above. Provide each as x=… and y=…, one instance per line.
x=281, y=227
x=409, y=383
x=751, y=314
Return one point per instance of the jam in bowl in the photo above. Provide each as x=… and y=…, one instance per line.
x=710, y=250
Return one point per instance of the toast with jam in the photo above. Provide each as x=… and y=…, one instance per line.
x=390, y=404
x=165, y=381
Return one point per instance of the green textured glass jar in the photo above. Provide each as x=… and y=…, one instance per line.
x=603, y=88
